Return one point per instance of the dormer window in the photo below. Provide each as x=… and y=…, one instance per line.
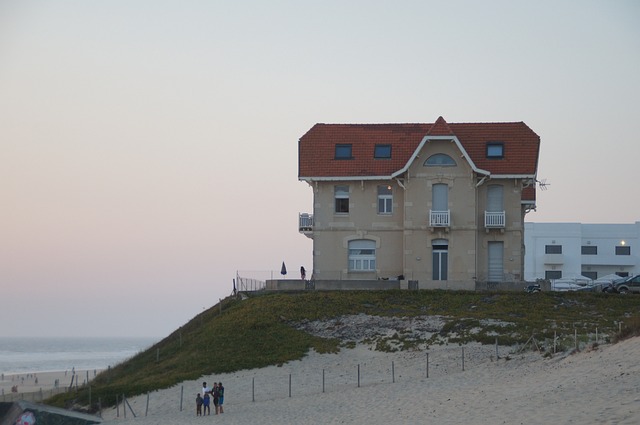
x=343, y=151
x=495, y=150
x=382, y=152
x=439, y=160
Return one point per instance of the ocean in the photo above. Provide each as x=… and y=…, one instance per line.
x=20, y=355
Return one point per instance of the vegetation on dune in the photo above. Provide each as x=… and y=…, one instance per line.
x=258, y=331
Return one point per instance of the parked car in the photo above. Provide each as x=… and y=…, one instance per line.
x=630, y=285
x=533, y=288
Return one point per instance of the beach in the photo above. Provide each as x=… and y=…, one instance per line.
x=34, y=386
x=599, y=385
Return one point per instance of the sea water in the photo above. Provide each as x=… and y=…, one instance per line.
x=20, y=355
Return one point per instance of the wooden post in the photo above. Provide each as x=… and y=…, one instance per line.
x=427, y=365
x=463, y=359
x=253, y=389
x=575, y=337
x=555, y=340
x=322, y=380
x=358, y=375
x=89, y=393
x=289, y=385
x=497, y=355
x=124, y=406
x=117, y=406
x=146, y=410
x=393, y=372
x=181, y=396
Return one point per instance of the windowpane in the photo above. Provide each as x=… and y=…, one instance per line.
x=382, y=151
x=553, y=249
x=342, y=199
x=495, y=150
x=589, y=250
x=362, y=255
x=553, y=274
x=343, y=152
x=439, y=160
x=623, y=250
x=385, y=199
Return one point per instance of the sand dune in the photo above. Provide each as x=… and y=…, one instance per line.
x=598, y=386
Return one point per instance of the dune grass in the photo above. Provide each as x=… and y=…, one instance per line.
x=257, y=332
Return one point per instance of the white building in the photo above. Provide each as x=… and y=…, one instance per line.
x=570, y=250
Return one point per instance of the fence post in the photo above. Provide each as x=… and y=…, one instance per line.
x=322, y=380
x=358, y=375
x=497, y=355
x=575, y=337
x=427, y=365
x=253, y=389
x=596, y=334
x=146, y=410
x=393, y=372
x=117, y=406
x=124, y=406
x=181, y=396
x=555, y=340
x=463, y=359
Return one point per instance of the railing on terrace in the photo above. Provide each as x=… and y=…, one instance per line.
x=494, y=219
x=305, y=222
x=439, y=218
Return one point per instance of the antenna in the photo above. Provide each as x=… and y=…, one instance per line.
x=543, y=184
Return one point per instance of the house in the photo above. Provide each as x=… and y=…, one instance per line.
x=576, y=250
x=439, y=204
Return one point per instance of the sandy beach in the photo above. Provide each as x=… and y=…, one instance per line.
x=599, y=385
x=31, y=385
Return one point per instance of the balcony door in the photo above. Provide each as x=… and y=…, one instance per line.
x=440, y=197
x=440, y=258
x=496, y=261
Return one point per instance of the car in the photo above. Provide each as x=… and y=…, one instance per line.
x=531, y=289
x=629, y=285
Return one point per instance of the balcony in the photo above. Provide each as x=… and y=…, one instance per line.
x=439, y=218
x=494, y=219
x=305, y=223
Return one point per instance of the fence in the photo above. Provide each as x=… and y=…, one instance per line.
x=309, y=378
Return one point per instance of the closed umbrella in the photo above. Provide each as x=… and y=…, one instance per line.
x=283, y=270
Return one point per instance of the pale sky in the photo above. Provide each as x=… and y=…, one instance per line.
x=148, y=149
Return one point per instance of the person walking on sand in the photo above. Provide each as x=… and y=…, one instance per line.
x=199, y=402
x=220, y=396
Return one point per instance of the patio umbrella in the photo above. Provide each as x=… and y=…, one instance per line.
x=283, y=270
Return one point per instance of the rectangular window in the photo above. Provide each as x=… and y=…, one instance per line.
x=623, y=250
x=362, y=256
x=495, y=261
x=343, y=151
x=495, y=150
x=552, y=274
x=553, y=249
x=382, y=151
x=589, y=250
x=590, y=275
x=342, y=199
x=385, y=200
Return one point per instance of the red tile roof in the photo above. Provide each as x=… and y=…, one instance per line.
x=316, y=149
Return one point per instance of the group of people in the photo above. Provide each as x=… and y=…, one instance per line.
x=203, y=400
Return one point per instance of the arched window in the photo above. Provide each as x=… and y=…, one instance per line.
x=439, y=160
x=362, y=255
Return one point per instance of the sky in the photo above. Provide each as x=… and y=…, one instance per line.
x=148, y=149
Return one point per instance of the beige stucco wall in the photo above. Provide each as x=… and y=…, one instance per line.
x=404, y=238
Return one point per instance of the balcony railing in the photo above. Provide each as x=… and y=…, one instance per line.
x=439, y=218
x=494, y=220
x=305, y=222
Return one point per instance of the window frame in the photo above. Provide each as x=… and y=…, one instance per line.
x=493, y=145
x=341, y=199
x=551, y=249
x=584, y=250
x=548, y=273
x=386, y=151
x=385, y=200
x=340, y=152
x=623, y=249
x=356, y=260
x=447, y=161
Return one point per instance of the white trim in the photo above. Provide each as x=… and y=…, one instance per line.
x=454, y=139
x=344, y=178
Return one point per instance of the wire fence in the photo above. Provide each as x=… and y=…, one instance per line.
x=305, y=379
